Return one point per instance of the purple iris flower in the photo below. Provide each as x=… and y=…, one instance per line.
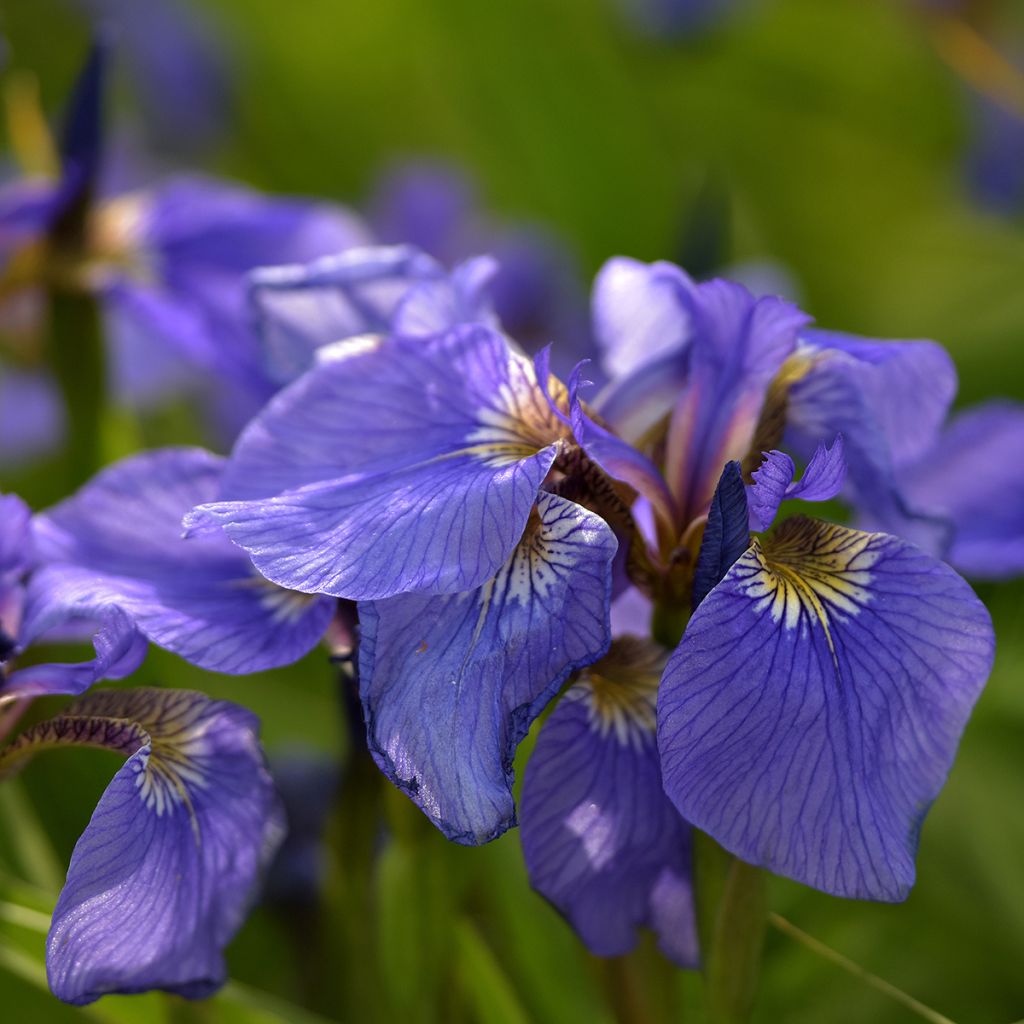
x=163, y=874
x=166, y=869
x=888, y=399
x=407, y=473
x=472, y=504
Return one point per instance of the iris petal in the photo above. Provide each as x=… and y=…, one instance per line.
x=773, y=481
x=117, y=543
x=164, y=873
x=601, y=840
x=394, y=467
x=451, y=684
x=810, y=714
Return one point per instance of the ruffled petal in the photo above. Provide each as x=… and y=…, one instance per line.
x=117, y=543
x=773, y=481
x=164, y=873
x=451, y=684
x=810, y=714
x=393, y=467
x=120, y=650
x=601, y=840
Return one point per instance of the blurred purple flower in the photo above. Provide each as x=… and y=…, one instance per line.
x=177, y=64
x=536, y=291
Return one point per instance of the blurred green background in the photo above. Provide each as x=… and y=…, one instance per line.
x=831, y=134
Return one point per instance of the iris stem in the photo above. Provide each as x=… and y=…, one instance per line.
x=731, y=920
x=879, y=984
x=77, y=357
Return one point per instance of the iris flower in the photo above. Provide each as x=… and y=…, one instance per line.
x=163, y=874
x=483, y=516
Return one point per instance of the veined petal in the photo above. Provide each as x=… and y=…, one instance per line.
x=164, y=873
x=810, y=714
x=451, y=684
x=601, y=840
x=434, y=306
x=392, y=467
x=301, y=308
x=117, y=543
x=726, y=533
x=773, y=481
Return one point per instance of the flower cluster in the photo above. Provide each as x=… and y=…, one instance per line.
x=510, y=549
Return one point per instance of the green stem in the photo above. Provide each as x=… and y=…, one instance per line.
x=879, y=984
x=77, y=357
x=731, y=920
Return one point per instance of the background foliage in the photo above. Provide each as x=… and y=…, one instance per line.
x=826, y=134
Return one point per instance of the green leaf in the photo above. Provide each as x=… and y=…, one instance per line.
x=29, y=847
x=483, y=981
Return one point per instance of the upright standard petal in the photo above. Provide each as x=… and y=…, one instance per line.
x=451, y=684
x=740, y=343
x=601, y=840
x=393, y=466
x=640, y=313
x=726, y=533
x=165, y=871
x=117, y=544
x=812, y=711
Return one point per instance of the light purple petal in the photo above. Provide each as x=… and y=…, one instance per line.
x=812, y=711
x=974, y=479
x=433, y=307
x=118, y=543
x=120, y=650
x=164, y=873
x=601, y=840
x=451, y=684
x=639, y=315
x=392, y=466
x=301, y=308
